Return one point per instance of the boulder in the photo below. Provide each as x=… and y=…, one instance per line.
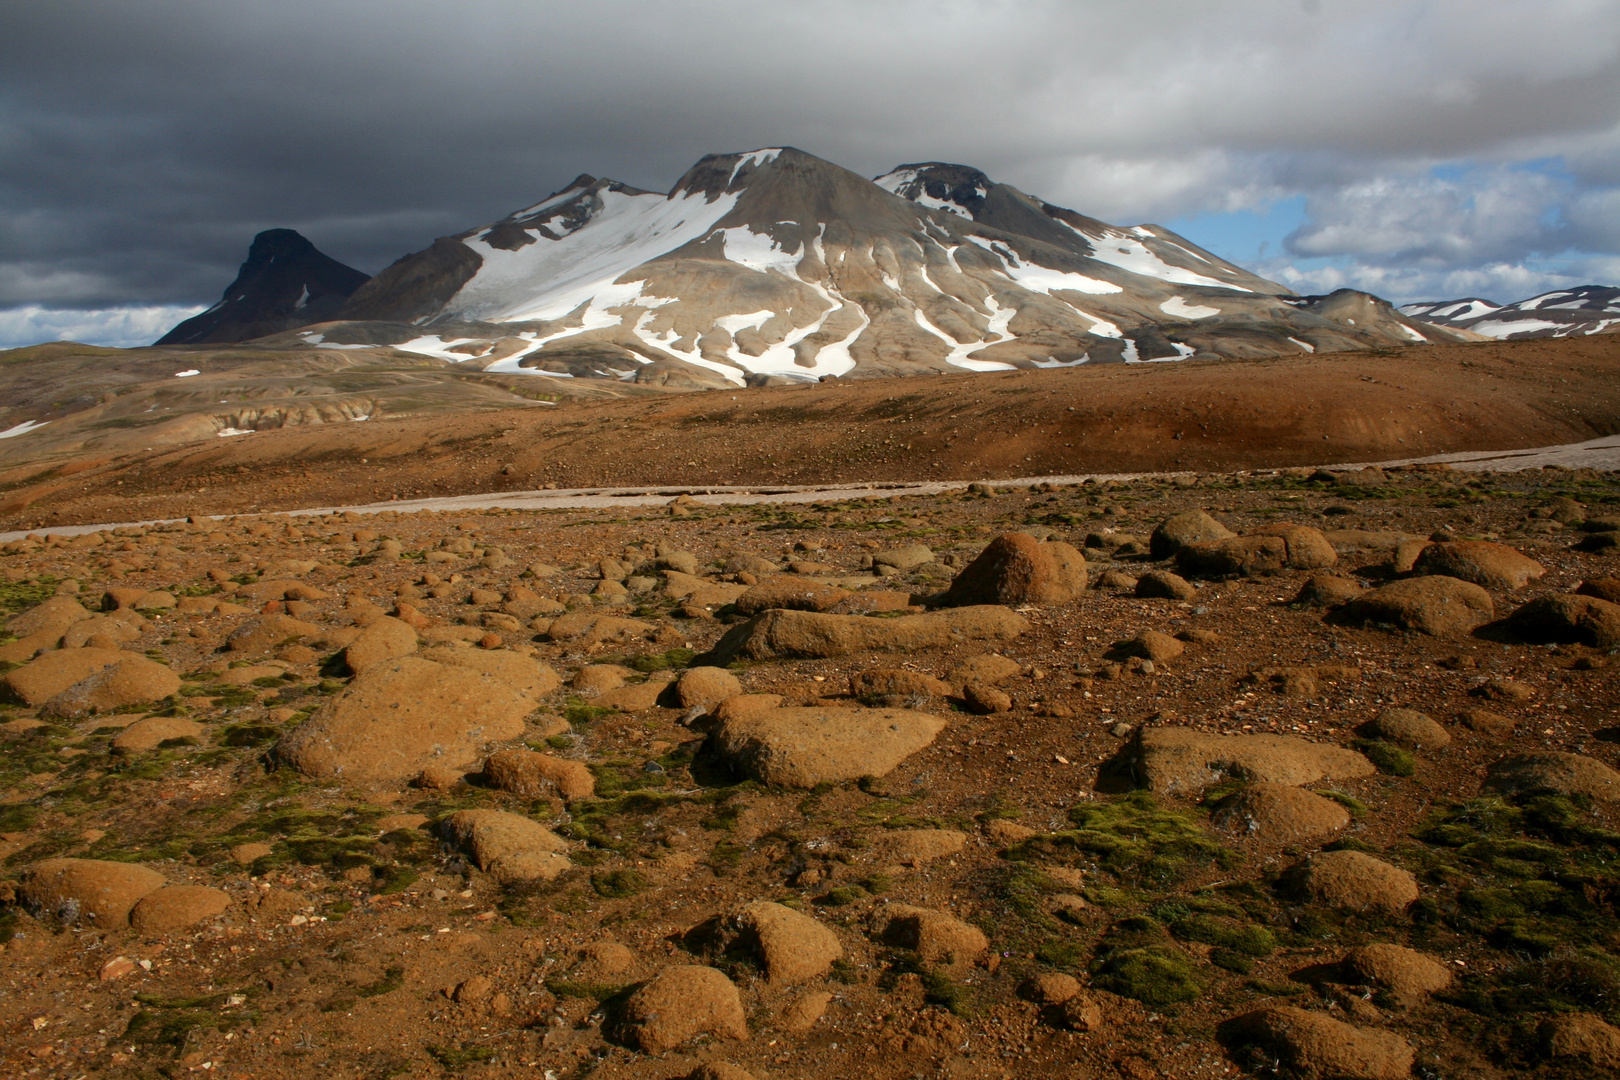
x=1328, y=590
x=788, y=593
x=1016, y=568
x=1192, y=527
x=269, y=631
x=1407, y=974
x=120, y=626
x=1049, y=988
x=386, y=638
x=134, y=680
x=991, y=669
x=1494, y=566
x=805, y=747
x=680, y=1003
x=804, y=1010
x=1555, y=771
x=1353, y=880
x=1268, y=551
x=177, y=907
x=916, y=847
x=807, y=634
x=1602, y=588
x=1163, y=585
x=101, y=892
x=705, y=686
x=1179, y=761
x=904, y=558
x=1486, y=722
x=983, y=698
x=1566, y=618
x=1153, y=645
x=1307, y=548
x=40, y=680
x=536, y=776
x=792, y=947
x=637, y=697
x=522, y=675
x=936, y=937
x=586, y=628
x=1408, y=728
x=51, y=618
x=1315, y=1046
x=152, y=731
x=1582, y=1036
x=1436, y=605
x=882, y=682
x=401, y=715
x=599, y=678
x=509, y=847
x=1280, y=814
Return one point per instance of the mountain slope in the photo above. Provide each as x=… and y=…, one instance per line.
x=1589, y=309
x=285, y=283
x=775, y=265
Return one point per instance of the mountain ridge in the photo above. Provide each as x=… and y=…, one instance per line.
x=1585, y=309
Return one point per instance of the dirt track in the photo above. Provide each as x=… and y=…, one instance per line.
x=1369, y=406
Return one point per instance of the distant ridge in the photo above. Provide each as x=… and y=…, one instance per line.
x=1587, y=309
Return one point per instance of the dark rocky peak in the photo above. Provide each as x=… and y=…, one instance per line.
x=285, y=282
x=957, y=189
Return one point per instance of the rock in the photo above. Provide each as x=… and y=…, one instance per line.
x=1588, y=620
x=705, y=686
x=1554, y=771
x=1163, y=585
x=984, y=699
x=1486, y=722
x=1405, y=556
x=1353, y=880
x=1117, y=579
x=1270, y=550
x=1502, y=690
x=914, y=847
x=1582, y=1036
x=805, y=747
x=40, y=680
x=936, y=937
x=1407, y=974
x=599, y=678
x=1440, y=606
x=683, y=561
x=120, y=627
x=1328, y=590
x=1153, y=645
x=1178, y=761
x=1494, y=566
x=792, y=948
x=401, y=715
x=385, y=639
x=804, y=1010
x=1307, y=548
x=1408, y=728
x=1006, y=833
x=101, y=892
x=435, y=777
x=177, y=907
x=149, y=733
x=680, y=1003
x=474, y=991
x=788, y=593
x=882, y=682
x=637, y=697
x=808, y=634
x=1016, y=568
x=1602, y=588
x=1315, y=1046
x=1049, y=988
x=538, y=776
x=49, y=619
x=1081, y=1012
x=134, y=680
x=522, y=675
x=586, y=628
x=1192, y=527
x=1280, y=814
x=603, y=958
x=270, y=631
x=117, y=968
x=745, y=705
x=904, y=558
x=280, y=905
x=509, y=847
x=991, y=669
x=399, y=823
x=248, y=854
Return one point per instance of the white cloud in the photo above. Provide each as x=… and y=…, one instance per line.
x=119, y=327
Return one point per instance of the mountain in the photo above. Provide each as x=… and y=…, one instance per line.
x=1589, y=309
x=285, y=283
x=774, y=265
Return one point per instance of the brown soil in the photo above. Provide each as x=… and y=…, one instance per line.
x=1205, y=416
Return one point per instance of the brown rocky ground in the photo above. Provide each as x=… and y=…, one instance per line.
x=1139, y=837
x=1216, y=416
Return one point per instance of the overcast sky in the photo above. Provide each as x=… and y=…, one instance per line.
x=1415, y=149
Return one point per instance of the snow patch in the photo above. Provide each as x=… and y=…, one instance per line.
x=1180, y=307
x=1128, y=253
x=187, y=374
x=1307, y=346
x=23, y=428
x=755, y=158
x=759, y=252
x=1411, y=333
x=958, y=356
x=1042, y=279
x=1515, y=326
x=226, y=433
x=431, y=345
x=303, y=298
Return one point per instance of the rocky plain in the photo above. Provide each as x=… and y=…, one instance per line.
x=1275, y=772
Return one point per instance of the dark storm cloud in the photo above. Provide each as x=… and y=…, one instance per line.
x=142, y=145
